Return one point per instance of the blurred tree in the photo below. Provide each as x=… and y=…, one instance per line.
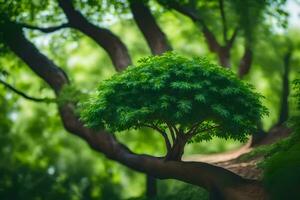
x=221, y=20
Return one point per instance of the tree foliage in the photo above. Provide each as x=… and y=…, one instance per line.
x=244, y=14
x=189, y=95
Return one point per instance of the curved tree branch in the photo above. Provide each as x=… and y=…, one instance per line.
x=213, y=178
x=22, y=94
x=222, y=51
x=154, y=36
x=115, y=48
x=46, y=29
x=211, y=39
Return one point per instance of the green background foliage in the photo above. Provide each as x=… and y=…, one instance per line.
x=33, y=143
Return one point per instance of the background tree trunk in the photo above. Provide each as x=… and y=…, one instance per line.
x=284, y=106
x=224, y=57
x=279, y=130
x=155, y=37
x=245, y=62
x=115, y=48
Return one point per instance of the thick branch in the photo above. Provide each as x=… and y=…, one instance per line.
x=22, y=94
x=193, y=15
x=224, y=56
x=201, y=174
x=115, y=48
x=224, y=22
x=154, y=36
x=246, y=62
x=54, y=76
x=46, y=29
x=222, y=51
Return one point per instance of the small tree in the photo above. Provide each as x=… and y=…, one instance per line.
x=185, y=100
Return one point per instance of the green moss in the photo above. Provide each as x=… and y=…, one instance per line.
x=267, y=151
x=282, y=173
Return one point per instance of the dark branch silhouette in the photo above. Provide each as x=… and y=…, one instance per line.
x=22, y=94
x=46, y=29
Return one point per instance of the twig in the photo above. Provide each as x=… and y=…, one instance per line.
x=46, y=29
x=22, y=94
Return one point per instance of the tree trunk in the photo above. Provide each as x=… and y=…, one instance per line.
x=229, y=185
x=279, y=130
x=154, y=36
x=284, y=105
x=115, y=48
x=258, y=136
x=177, y=150
x=224, y=57
x=246, y=62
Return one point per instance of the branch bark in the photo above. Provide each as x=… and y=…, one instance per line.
x=115, y=48
x=213, y=178
x=155, y=37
